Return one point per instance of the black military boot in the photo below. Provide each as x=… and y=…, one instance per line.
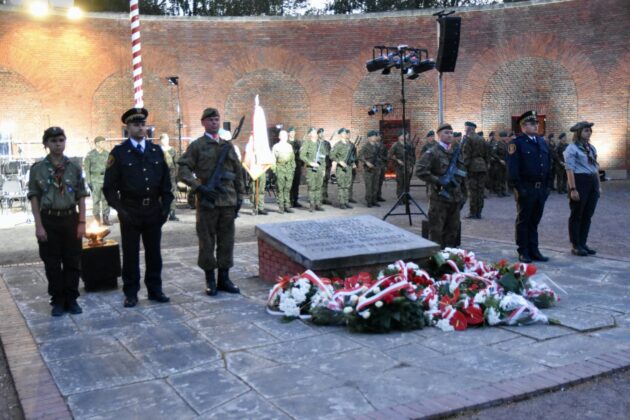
x=211, y=283
x=225, y=284
x=312, y=207
x=289, y=210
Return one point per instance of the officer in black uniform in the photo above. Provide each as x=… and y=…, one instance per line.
x=529, y=174
x=138, y=185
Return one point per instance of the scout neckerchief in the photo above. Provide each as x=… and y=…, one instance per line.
x=56, y=173
x=587, y=149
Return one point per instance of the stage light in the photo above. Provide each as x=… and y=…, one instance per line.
x=173, y=80
x=414, y=71
x=377, y=64
x=74, y=13
x=39, y=9
x=373, y=110
x=388, y=109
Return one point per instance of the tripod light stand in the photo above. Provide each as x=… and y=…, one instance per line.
x=174, y=81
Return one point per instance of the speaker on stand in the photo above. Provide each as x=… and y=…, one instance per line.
x=450, y=27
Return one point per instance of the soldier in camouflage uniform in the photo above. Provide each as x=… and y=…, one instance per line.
x=429, y=143
x=215, y=226
x=313, y=154
x=370, y=157
x=445, y=198
x=354, y=168
x=341, y=154
x=475, y=152
x=403, y=154
x=297, y=176
x=497, y=171
x=94, y=166
x=320, y=136
x=382, y=150
x=561, y=173
x=284, y=170
x=170, y=157
x=259, y=208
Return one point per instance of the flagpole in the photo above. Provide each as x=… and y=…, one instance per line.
x=134, y=16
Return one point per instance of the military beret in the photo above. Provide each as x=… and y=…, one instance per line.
x=470, y=124
x=99, y=139
x=581, y=125
x=209, y=112
x=457, y=134
x=134, y=115
x=290, y=129
x=551, y=136
x=529, y=116
x=562, y=135
x=491, y=134
x=444, y=126
x=320, y=131
x=503, y=134
x=52, y=132
x=343, y=130
x=372, y=133
x=480, y=133
x=430, y=133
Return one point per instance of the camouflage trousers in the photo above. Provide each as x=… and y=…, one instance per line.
x=99, y=203
x=476, y=184
x=444, y=223
x=284, y=180
x=262, y=181
x=561, y=178
x=381, y=180
x=497, y=178
x=351, y=189
x=215, y=230
x=325, y=183
x=314, y=182
x=344, y=179
x=174, y=190
x=371, y=176
x=400, y=178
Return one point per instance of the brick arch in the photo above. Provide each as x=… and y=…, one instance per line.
x=283, y=97
x=115, y=95
x=540, y=45
x=22, y=113
x=529, y=83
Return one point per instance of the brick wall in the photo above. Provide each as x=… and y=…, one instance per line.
x=563, y=57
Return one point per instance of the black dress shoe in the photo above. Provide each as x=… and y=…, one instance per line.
x=297, y=205
x=263, y=212
x=57, y=310
x=470, y=216
x=352, y=200
x=369, y=206
x=74, y=308
x=288, y=210
x=381, y=199
x=319, y=208
x=225, y=284
x=375, y=204
x=326, y=202
x=211, y=283
x=130, y=302
x=524, y=258
x=537, y=256
x=159, y=297
x=589, y=250
x=580, y=252
x=348, y=206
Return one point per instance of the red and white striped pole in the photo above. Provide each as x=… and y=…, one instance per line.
x=134, y=15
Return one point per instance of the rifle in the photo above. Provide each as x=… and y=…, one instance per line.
x=214, y=183
x=238, y=128
x=317, y=157
x=449, y=177
x=351, y=156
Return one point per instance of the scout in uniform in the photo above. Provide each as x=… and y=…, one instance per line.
x=382, y=150
x=403, y=154
x=55, y=189
x=342, y=156
x=284, y=170
x=446, y=194
x=215, y=222
x=170, y=156
x=328, y=148
x=94, y=167
x=138, y=185
x=313, y=154
x=370, y=156
x=475, y=153
x=297, y=176
x=528, y=161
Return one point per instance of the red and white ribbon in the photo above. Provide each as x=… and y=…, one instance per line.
x=134, y=15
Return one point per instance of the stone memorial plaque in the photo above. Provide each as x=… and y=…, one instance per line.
x=344, y=242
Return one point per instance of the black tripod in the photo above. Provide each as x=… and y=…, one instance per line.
x=405, y=197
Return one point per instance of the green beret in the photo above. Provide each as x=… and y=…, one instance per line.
x=480, y=133
x=134, y=115
x=430, y=133
x=491, y=134
x=99, y=139
x=503, y=134
x=52, y=132
x=562, y=135
x=372, y=133
x=290, y=129
x=551, y=136
x=529, y=116
x=444, y=126
x=320, y=131
x=343, y=130
x=209, y=112
x=457, y=134
x=581, y=125
x=470, y=124
x=310, y=130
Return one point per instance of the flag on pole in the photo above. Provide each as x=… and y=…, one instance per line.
x=258, y=157
x=134, y=15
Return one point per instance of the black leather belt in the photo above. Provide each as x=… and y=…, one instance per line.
x=67, y=212
x=143, y=201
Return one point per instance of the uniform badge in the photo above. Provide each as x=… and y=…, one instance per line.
x=511, y=148
x=110, y=161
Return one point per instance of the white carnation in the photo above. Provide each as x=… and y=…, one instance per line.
x=365, y=314
x=444, y=325
x=378, y=304
x=299, y=295
x=354, y=299
x=289, y=307
x=348, y=310
x=492, y=316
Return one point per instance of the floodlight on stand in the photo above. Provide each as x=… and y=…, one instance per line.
x=173, y=80
x=373, y=110
x=388, y=109
x=377, y=63
x=414, y=71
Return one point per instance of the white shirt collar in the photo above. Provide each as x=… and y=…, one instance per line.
x=135, y=143
x=445, y=146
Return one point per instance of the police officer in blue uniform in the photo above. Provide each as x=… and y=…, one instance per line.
x=529, y=174
x=138, y=185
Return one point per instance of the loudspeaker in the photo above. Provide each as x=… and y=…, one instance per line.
x=227, y=125
x=450, y=28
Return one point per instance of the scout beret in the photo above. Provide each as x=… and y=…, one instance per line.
x=444, y=126
x=430, y=133
x=562, y=135
x=320, y=131
x=529, y=116
x=99, y=139
x=52, y=132
x=581, y=125
x=372, y=133
x=503, y=134
x=470, y=124
x=491, y=134
x=291, y=129
x=209, y=112
x=134, y=115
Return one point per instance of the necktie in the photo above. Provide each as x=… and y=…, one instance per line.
x=139, y=147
